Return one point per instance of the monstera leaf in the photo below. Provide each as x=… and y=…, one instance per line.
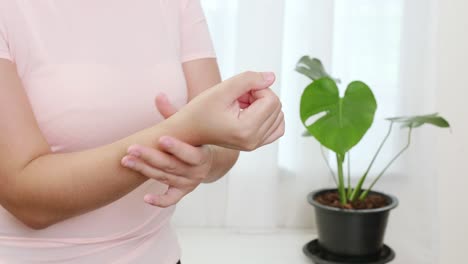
x=417, y=121
x=312, y=68
x=346, y=119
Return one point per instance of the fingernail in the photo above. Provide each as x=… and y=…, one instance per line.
x=128, y=162
x=134, y=153
x=163, y=96
x=148, y=199
x=166, y=142
x=268, y=76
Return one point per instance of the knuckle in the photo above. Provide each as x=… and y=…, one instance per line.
x=200, y=176
x=164, y=204
x=250, y=146
x=202, y=159
x=171, y=166
x=176, y=200
x=278, y=102
x=164, y=201
x=163, y=178
x=251, y=77
x=141, y=168
x=249, y=74
x=134, y=165
x=281, y=116
x=189, y=188
x=274, y=100
x=154, y=142
x=176, y=181
x=245, y=137
x=282, y=131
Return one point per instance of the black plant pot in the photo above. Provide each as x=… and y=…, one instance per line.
x=351, y=233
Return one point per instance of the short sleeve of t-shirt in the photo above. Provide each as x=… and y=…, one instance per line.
x=195, y=37
x=4, y=50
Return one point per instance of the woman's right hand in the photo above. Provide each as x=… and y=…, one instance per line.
x=240, y=113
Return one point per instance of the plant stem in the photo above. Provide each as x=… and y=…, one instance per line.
x=364, y=194
x=357, y=190
x=328, y=165
x=348, y=193
x=341, y=184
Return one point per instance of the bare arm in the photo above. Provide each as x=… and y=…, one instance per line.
x=201, y=75
x=182, y=165
x=178, y=164
x=41, y=188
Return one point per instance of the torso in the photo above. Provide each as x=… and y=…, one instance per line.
x=91, y=70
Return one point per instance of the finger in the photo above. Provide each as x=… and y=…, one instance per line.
x=268, y=124
x=164, y=106
x=171, y=197
x=140, y=166
x=194, y=156
x=158, y=159
x=240, y=84
x=265, y=104
x=245, y=100
x=274, y=126
x=260, y=128
x=276, y=134
x=260, y=121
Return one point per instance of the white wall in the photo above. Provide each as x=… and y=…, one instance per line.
x=452, y=91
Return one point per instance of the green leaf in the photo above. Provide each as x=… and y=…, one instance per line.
x=346, y=119
x=312, y=68
x=417, y=121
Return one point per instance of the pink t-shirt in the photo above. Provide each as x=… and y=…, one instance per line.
x=91, y=70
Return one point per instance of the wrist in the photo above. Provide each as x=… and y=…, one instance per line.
x=213, y=171
x=222, y=161
x=183, y=127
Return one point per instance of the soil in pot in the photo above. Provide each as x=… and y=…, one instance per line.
x=372, y=201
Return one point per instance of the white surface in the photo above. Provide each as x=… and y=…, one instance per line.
x=283, y=246
x=216, y=246
x=452, y=56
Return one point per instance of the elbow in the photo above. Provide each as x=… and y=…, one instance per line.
x=33, y=219
x=24, y=210
x=36, y=223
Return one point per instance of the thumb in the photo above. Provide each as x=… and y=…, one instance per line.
x=164, y=106
x=240, y=84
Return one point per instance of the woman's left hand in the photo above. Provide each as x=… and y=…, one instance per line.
x=179, y=165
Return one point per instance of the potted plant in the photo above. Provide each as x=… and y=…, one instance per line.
x=351, y=220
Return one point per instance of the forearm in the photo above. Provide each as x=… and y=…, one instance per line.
x=55, y=187
x=223, y=160
x=201, y=75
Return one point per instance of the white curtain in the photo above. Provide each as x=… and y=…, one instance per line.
x=386, y=43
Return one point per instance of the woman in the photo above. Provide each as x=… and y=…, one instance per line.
x=81, y=143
